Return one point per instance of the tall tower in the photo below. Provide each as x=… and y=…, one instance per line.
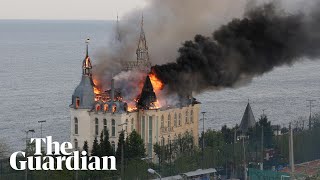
x=83, y=95
x=118, y=35
x=142, y=50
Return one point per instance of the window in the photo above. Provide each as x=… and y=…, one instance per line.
x=187, y=112
x=98, y=107
x=191, y=116
x=132, y=124
x=162, y=141
x=179, y=119
x=104, y=125
x=162, y=121
x=76, y=125
x=169, y=120
x=76, y=144
x=150, y=137
x=96, y=126
x=105, y=108
x=143, y=127
x=113, y=132
x=77, y=102
x=175, y=120
x=114, y=108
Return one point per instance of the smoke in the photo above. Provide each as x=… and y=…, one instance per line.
x=266, y=37
x=167, y=24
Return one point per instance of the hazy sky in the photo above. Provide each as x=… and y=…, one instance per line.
x=66, y=9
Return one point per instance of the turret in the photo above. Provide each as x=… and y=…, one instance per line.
x=142, y=50
x=148, y=96
x=83, y=96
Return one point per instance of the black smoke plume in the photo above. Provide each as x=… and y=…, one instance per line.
x=265, y=38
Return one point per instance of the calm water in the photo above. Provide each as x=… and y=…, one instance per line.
x=41, y=66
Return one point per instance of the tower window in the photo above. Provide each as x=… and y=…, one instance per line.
x=77, y=102
x=105, y=108
x=104, y=125
x=113, y=132
x=179, y=122
x=169, y=121
x=97, y=107
x=75, y=125
x=96, y=126
x=114, y=108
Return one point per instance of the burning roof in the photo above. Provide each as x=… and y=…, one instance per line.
x=147, y=97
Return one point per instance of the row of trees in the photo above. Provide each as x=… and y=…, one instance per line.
x=132, y=146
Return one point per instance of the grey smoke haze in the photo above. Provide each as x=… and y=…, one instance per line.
x=168, y=23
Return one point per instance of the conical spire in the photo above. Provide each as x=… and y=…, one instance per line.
x=118, y=36
x=147, y=96
x=248, y=120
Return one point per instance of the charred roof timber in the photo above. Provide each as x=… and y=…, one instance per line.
x=148, y=96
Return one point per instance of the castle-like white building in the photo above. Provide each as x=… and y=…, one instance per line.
x=91, y=114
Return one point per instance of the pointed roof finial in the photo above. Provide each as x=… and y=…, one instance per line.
x=142, y=18
x=87, y=47
x=248, y=100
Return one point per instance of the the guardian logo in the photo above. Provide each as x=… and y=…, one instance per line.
x=59, y=157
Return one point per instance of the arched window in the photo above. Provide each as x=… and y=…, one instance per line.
x=96, y=126
x=191, y=116
x=114, y=108
x=76, y=126
x=77, y=102
x=179, y=122
x=132, y=124
x=162, y=141
x=113, y=132
x=162, y=121
x=105, y=108
x=98, y=107
x=76, y=146
x=169, y=121
x=175, y=120
x=187, y=113
x=104, y=125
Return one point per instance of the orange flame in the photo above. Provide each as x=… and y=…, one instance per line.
x=96, y=88
x=156, y=82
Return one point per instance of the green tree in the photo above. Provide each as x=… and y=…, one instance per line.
x=95, y=148
x=135, y=146
x=106, y=148
x=120, y=143
x=85, y=147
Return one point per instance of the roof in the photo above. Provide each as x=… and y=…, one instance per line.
x=248, y=120
x=310, y=168
x=177, y=177
x=200, y=172
x=84, y=92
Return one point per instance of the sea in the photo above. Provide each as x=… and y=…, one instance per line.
x=40, y=66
